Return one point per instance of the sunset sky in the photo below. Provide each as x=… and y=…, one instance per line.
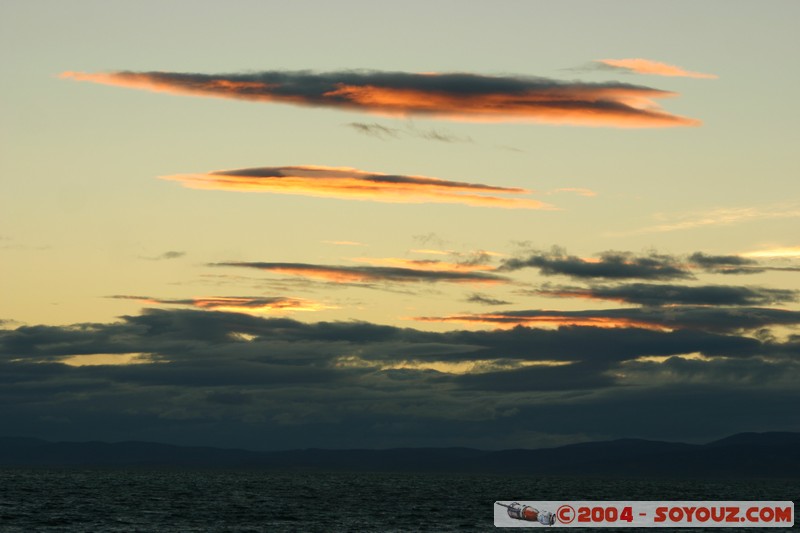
x=361, y=224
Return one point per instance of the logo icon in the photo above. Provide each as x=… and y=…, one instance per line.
x=529, y=514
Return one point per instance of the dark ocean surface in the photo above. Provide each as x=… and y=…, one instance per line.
x=147, y=500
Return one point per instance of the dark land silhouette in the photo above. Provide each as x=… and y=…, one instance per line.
x=745, y=455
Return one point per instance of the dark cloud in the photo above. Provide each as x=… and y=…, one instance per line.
x=725, y=264
x=187, y=336
x=366, y=274
x=651, y=294
x=482, y=299
x=719, y=319
x=576, y=376
x=238, y=380
x=459, y=96
x=610, y=265
x=628, y=265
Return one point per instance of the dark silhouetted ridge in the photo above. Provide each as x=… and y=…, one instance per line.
x=746, y=455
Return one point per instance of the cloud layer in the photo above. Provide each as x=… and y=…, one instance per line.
x=354, y=184
x=219, y=378
x=456, y=96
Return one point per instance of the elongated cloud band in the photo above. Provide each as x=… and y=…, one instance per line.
x=424, y=264
x=655, y=68
x=651, y=294
x=455, y=96
x=717, y=319
x=238, y=304
x=369, y=274
x=354, y=184
x=627, y=265
x=610, y=265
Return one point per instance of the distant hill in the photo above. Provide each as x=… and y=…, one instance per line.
x=746, y=455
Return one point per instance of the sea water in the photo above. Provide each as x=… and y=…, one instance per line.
x=152, y=500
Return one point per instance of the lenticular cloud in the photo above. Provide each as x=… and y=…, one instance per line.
x=354, y=184
x=452, y=96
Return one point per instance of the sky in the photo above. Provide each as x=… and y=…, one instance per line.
x=277, y=225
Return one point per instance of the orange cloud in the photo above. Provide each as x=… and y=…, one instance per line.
x=716, y=318
x=454, y=96
x=354, y=184
x=423, y=264
x=371, y=274
x=547, y=319
x=655, y=68
x=237, y=304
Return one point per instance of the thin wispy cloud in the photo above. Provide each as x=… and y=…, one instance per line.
x=238, y=304
x=369, y=274
x=171, y=254
x=430, y=251
x=382, y=132
x=297, y=284
x=482, y=255
x=652, y=68
x=353, y=184
x=722, y=216
x=653, y=294
x=483, y=299
x=454, y=96
x=426, y=264
x=376, y=130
